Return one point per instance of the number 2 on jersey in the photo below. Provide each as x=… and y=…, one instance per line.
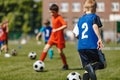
x=85, y=27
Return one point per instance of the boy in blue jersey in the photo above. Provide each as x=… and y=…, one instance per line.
x=89, y=41
x=46, y=31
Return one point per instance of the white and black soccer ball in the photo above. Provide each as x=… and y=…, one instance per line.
x=32, y=55
x=73, y=76
x=7, y=55
x=39, y=66
x=13, y=52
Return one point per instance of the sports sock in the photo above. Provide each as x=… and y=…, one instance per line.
x=63, y=58
x=50, y=52
x=43, y=55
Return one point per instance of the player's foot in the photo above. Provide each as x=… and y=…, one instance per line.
x=86, y=76
x=91, y=72
x=65, y=67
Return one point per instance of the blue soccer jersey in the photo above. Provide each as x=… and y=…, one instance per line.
x=87, y=37
x=47, y=32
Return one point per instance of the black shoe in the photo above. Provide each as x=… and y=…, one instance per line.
x=65, y=67
x=86, y=76
x=91, y=72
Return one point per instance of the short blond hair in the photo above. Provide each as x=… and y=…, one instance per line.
x=90, y=5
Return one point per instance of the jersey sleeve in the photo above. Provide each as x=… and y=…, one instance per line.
x=97, y=21
x=76, y=30
x=42, y=29
x=62, y=21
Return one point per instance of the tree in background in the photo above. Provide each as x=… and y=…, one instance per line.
x=24, y=16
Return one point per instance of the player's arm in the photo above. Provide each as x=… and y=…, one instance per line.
x=40, y=33
x=60, y=28
x=64, y=25
x=76, y=31
x=96, y=30
x=7, y=29
x=5, y=23
x=96, y=26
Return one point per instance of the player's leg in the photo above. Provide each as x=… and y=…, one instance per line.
x=86, y=56
x=101, y=64
x=4, y=46
x=102, y=58
x=0, y=47
x=86, y=76
x=44, y=53
x=63, y=57
x=91, y=72
x=1, y=44
x=50, y=52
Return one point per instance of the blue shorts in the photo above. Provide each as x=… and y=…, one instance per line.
x=91, y=56
x=1, y=43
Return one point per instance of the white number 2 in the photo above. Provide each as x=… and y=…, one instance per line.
x=85, y=27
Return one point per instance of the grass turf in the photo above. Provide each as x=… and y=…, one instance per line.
x=20, y=67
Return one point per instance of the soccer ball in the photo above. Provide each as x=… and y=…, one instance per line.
x=39, y=66
x=13, y=52
x=74, y=76
x=32, y=55
x=7, y=55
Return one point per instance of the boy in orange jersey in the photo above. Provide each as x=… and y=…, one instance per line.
x=57, y=35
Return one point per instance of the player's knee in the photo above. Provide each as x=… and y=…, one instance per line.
x=103, y=65
x=45, y=49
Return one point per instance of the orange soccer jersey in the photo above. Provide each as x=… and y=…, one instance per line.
x=57, y=37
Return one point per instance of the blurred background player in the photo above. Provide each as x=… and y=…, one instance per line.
x=89, y=41
x=57, y=35
x=4, y=36
x=46, y=32
x=1, y=33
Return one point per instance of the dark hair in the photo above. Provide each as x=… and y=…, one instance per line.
x=54, y=7
x=47, y=22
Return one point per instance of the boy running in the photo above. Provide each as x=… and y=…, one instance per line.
x=57, y=35
x=89, y=41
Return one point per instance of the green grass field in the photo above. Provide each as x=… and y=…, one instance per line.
x=20, y=67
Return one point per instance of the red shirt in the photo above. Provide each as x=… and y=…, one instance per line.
x=3, y=33
x=58, y=36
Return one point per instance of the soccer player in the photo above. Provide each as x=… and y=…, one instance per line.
x=89, y=41
x=57, y=35
x=1, y=33
x=4, y=36
x=46, y=31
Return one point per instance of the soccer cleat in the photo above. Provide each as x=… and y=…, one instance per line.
x=91, y=72
x=65, y=67
x=86, y=76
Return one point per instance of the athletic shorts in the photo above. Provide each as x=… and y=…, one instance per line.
x=5, y=42
x=58, y=45
x=91, y=56
x=1, y=43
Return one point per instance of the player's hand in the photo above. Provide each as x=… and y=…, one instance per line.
x=54, y=30
x=100, y=44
